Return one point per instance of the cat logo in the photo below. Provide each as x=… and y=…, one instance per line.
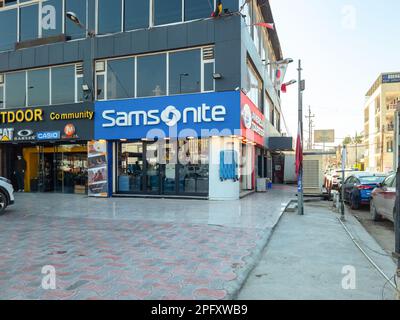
x=6, y=134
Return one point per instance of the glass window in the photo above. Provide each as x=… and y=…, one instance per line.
x=231, y=5
x=253, y=86
x=167, y=11
x=52, y=16
x=195, y=9
x=12, y=2
x=154, y=65
x=209, y=77
x=79, y=8
x=100, y=87
x=121, y=78
x=136, y=14
x=28, y=22
x=16, y=89
x=8, y=29
x=1, y=97
x=184, y=71
x=79, y=90
x=38, y=87
x=193, y=168
x=63, y=84
x=109, y=16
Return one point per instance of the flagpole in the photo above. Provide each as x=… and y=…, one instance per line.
x=300, y=190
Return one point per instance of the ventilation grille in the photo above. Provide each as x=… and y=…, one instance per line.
x=79, y=69
x=208, y=53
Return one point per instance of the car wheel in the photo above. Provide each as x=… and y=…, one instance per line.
x=354, y=203
x=374, y=213
x=3, y=202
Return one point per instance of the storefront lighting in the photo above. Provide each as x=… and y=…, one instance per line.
x=123, y=140
x=190, y=138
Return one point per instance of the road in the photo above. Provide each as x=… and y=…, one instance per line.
x=382, y=231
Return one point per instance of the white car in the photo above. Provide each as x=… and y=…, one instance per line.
x=6, y=194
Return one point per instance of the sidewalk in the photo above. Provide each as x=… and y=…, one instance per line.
x=134, y=248
x=305, y=257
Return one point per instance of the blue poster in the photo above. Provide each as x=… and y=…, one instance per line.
x=191, y=115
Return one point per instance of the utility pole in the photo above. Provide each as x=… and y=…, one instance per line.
x=300, y=197
x=310, y=126
x=343, y=177
x=355, y=140
x=397, y=206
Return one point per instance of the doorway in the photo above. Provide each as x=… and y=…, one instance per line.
x=56, y=168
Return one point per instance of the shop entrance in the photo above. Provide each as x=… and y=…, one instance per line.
x=56, y=168
x=163, y=168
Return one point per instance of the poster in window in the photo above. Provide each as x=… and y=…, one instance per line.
x=97, y=169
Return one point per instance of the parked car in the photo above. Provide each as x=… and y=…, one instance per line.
x=358, y=188
x=383, y=199
x=6, y=194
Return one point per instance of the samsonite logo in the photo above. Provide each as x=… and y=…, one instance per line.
x=171, y=116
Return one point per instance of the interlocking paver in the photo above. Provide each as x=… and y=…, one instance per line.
x=136, y=253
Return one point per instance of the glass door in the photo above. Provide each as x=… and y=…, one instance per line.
x=152, y=169
x=130, y=168
x=168, y=157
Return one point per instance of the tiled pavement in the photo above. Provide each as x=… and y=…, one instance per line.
x=133, y=248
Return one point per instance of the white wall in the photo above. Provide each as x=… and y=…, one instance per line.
x=222, y=190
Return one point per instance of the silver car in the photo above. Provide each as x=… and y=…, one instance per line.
x=383, y=199
x=6, y=194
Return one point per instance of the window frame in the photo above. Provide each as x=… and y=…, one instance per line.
x=50, y=68
x=167, y=53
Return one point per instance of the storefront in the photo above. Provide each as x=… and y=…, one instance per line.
x=44, y=149
x=194, y=145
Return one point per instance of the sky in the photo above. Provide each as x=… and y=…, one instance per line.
x=344, y=45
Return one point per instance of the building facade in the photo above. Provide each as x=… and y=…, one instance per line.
x=379, y=122
x=138, y=97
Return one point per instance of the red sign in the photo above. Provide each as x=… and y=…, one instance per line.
x=252, y=121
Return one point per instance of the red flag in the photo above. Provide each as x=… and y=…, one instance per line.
x=265, y=25
x=284, y=88
x=299, y=153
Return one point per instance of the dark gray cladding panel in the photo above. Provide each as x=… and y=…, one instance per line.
x=42, y=55
x=158, y=39
x=140, y=41
x=56, y=53
x=177, y=36
x=122, y=44
x=105, y=47
x=228, y=64
x=28, y=57
x=4, y=60
x=71, y=51
x=15, y=60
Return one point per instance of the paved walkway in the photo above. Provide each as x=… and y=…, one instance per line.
x=306, y=255
x=133, y=248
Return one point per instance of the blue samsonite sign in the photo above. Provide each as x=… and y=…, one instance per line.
x=192, y=115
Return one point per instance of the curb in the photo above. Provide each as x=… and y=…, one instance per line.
x=252, y=260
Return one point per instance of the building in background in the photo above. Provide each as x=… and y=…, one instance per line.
x=146, y=79
x=379, y=122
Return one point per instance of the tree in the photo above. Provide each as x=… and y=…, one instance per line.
x=347, y=140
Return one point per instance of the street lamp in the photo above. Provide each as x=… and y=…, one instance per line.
x=91, y=34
